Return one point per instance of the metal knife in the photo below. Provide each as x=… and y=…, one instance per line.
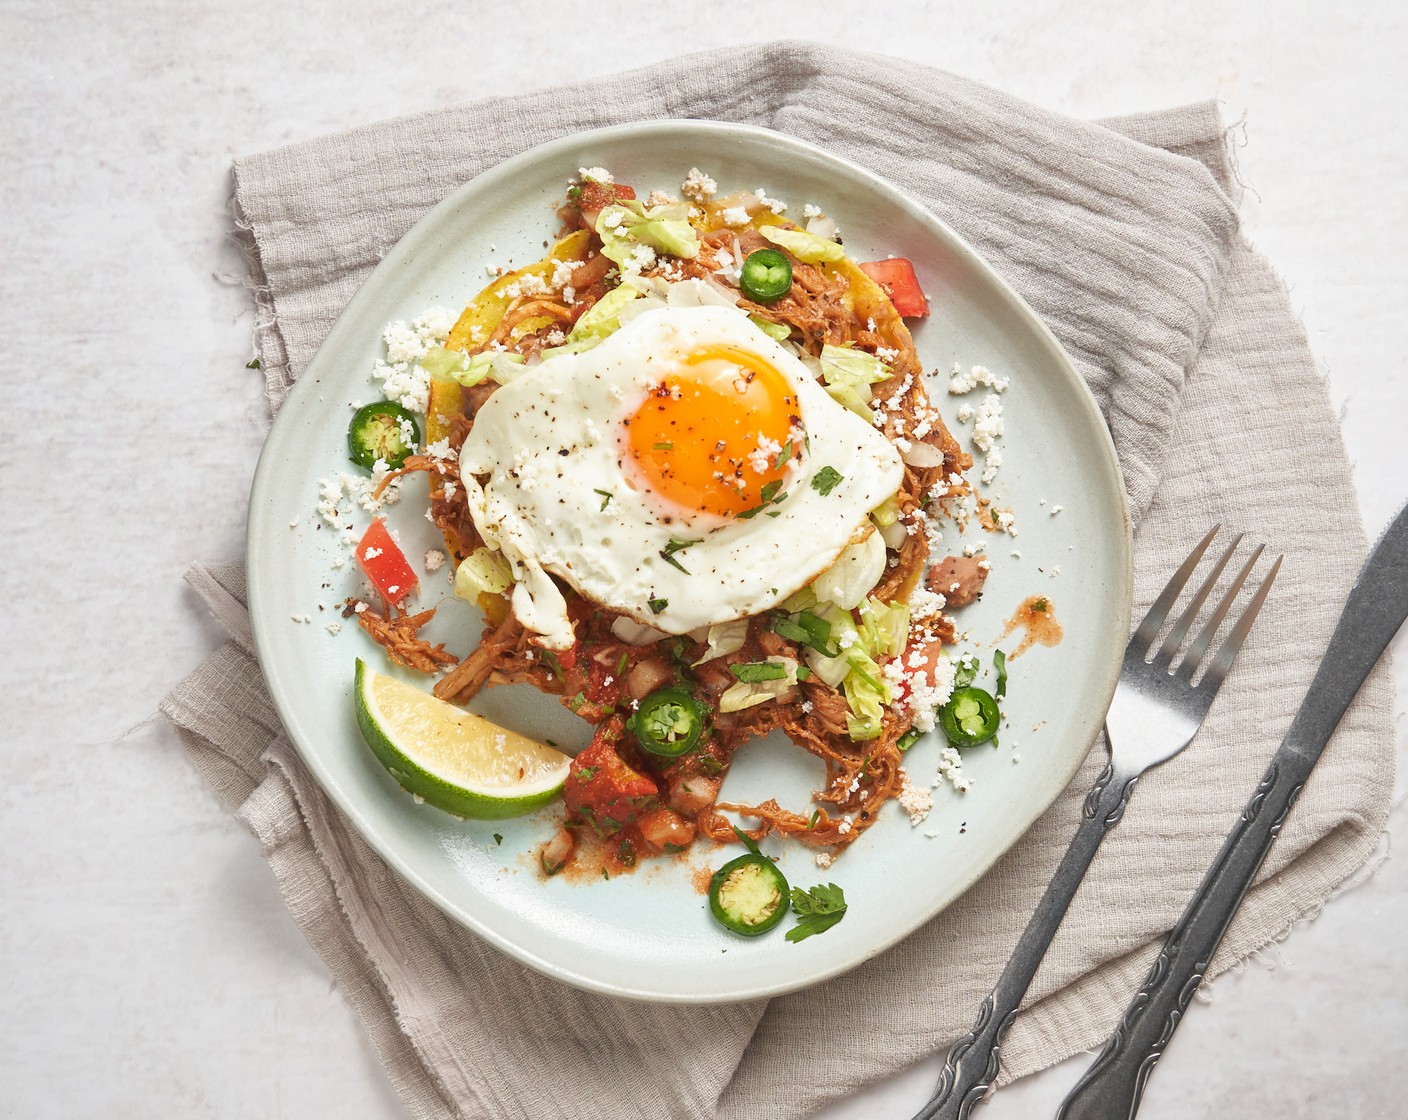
x=1378, y=604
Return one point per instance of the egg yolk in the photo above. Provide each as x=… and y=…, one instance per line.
x=716, y=436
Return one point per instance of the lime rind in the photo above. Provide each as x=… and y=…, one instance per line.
x=452, y=759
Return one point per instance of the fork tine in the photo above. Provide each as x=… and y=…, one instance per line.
x=1227, y=653
x=1209, y=630
x=1158, y=610
x=1190, y=612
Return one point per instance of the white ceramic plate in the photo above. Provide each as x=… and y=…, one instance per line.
x=648, y=935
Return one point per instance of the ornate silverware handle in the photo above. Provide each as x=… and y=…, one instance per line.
x=1377, y=605
x=1112, y=1087
x=973, y=1061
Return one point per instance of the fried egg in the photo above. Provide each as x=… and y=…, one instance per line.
x=686, y=471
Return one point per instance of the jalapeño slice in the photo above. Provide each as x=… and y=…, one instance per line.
x=970, y=717
x=376, y=433
x=749, y=895
x=766, y=276
x=668, y=722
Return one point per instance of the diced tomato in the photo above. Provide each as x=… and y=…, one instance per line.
x=602, y=789
x=385, y=564
x=896, y=276
x=921, y=659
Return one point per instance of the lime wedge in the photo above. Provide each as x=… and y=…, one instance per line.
x=453, y=759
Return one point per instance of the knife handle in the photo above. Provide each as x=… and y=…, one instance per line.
x=973, y=1060
x=1113, y=1085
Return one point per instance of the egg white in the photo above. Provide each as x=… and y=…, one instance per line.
x=549, y=482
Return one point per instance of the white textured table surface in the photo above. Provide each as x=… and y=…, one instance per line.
x=147, y=964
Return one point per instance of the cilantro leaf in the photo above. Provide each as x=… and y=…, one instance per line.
x=826, y=480
x=817, y=910
x=657, y=605
x=751, y=672
x=668, y=553
x=999, y=662
x=966, y=671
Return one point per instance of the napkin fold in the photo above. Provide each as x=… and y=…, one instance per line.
x=1124, y=238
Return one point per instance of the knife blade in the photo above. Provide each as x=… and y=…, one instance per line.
x=1377, y=606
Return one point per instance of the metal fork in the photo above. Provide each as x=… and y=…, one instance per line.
x=1156, y=711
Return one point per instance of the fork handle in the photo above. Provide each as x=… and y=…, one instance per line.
x=1112, y=1087
x=973, y=1060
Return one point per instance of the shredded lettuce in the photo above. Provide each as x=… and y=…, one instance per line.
x=599, y=320
x=777, y=331
x=635, y=633
x=887, y=519
x=844, y=637
x=848, y=375
x=470, y=369
x=483, y=571
x=807, y=247
x=866, y=696
x=627, y=226
x=745, y=694
x=724, y=638
x=858, y=569
x=855, y=670
x=803, y=599
x=887, y=512
x=884, y=627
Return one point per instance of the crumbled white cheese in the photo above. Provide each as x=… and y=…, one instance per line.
x=698, y=187
x=775, y=205
x=915, y=801
x=960, y=382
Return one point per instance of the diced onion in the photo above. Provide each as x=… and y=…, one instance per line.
x=635, y=633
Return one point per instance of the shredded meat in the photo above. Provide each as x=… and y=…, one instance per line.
x=466, y=678
x=398, y=635
x=599, y=677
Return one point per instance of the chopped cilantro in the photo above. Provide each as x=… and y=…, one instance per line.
x=498, y=838
x=826, y=480
x=751, y=672
x=605, y=497
x=908, y=739
x=668, y=553
x=253, y=365
x=783, y=456
x=577, y=701
x=657, y=605
x=999, y=662
x=807, y=629
x=664, y=447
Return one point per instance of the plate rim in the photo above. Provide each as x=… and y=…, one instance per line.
x=405, y=249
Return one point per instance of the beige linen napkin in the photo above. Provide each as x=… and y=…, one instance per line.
x=1124, y=238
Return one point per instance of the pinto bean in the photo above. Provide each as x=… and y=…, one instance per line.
x=959, y=579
